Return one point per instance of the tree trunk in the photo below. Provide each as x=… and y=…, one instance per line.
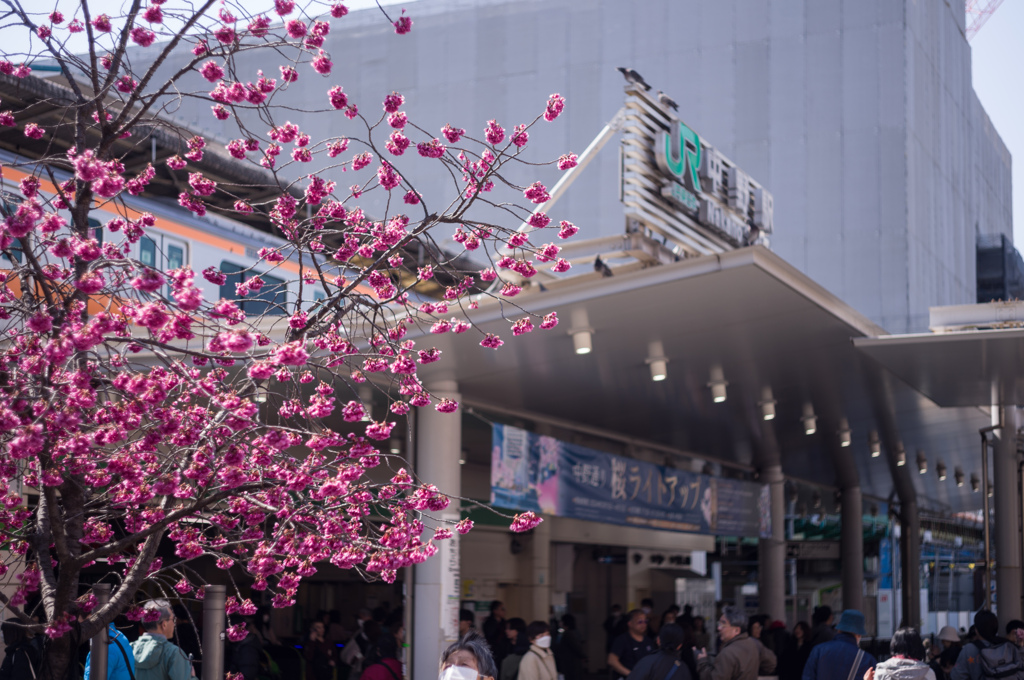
x=60, y=657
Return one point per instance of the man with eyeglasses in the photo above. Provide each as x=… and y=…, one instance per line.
x=631, y=646
x=156, y=657
x=740, y=657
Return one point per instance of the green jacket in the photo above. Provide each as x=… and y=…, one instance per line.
x=158, y=659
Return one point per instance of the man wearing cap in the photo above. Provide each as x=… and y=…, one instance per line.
x=841, y=658
x=740, y=657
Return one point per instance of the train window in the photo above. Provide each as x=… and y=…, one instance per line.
x=15, y=247
x=175, y=256
x=270, y=299
x=319, y=295
x=96, y=230
x=147, y=251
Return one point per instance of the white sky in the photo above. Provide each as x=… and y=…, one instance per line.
x=998, y=71
x=997, y=52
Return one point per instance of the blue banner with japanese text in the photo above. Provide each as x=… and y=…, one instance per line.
x=543, y=474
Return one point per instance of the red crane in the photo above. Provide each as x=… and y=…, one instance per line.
x=978, y=12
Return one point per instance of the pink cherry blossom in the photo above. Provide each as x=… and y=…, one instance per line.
x=567, y=161
x=494, y=132
x=525, y=522
x=403, y=25
x=556, y=103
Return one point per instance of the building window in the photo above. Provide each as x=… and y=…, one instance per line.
x=270, y=300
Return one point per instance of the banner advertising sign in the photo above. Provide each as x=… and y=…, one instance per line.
x=543, y=474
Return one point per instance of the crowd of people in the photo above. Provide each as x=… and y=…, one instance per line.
x=676, y=648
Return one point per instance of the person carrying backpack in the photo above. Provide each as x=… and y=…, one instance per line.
x=120, y=658
x=21, y=658
x=989, y=658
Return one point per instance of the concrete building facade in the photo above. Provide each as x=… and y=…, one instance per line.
x=860, y=117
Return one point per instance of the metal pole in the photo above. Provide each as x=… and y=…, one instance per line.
x=985, y=523
x=99, y=642
x=410, y=573
x=852, y=537
x=1007, y=541
x=213, y=632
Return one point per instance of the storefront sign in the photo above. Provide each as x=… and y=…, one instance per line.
x=543, y=474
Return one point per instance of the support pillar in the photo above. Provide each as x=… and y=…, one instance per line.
x=213, y=632
x=98, y=645
x=1006, y=512
x=910, y=563
x=436, y=594
x=540, y=583
x=852, y=535
x=772, y=551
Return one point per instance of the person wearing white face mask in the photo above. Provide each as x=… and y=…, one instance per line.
x=539, y=662
x=468, y=659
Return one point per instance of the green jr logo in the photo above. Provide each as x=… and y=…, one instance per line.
x=678, y=153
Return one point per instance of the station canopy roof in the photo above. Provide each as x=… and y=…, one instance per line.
x=962, y=368
x=765, y=324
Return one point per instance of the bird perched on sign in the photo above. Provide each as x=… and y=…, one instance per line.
x=667, y=101
x=602, y=268
x=632, y=76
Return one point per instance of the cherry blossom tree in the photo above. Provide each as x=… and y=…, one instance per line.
x=140, y=408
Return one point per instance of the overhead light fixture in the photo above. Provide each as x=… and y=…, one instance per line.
x=717, y=384
x=975, y=484
x=396, y=446
x=991, y=492
x=767, y=403
x=874, y=444
x=462, y=461
x=958, y=475
x=922, y=462
x=656, y=361
x=845, y=436
x=940, y=467
x=809, y=419
x=581, y=332
x=901, y=455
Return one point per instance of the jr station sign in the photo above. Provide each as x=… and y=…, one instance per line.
x=678, y=185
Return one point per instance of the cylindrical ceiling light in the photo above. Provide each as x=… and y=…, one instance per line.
x=809, y=419
x=975, y=484
x=922, y=462
x=876, y=446
x=396, y=446
x=767, y=403
x=657, y=361
x=581, y=332
x=958, y=475
x=717, y=384
x=901, y=455
x=940, y=467
x=845, y=435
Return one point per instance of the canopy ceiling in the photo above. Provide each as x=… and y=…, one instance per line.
x=766, y=324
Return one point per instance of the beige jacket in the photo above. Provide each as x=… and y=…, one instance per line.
x=741, y=658
x=538, y=664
